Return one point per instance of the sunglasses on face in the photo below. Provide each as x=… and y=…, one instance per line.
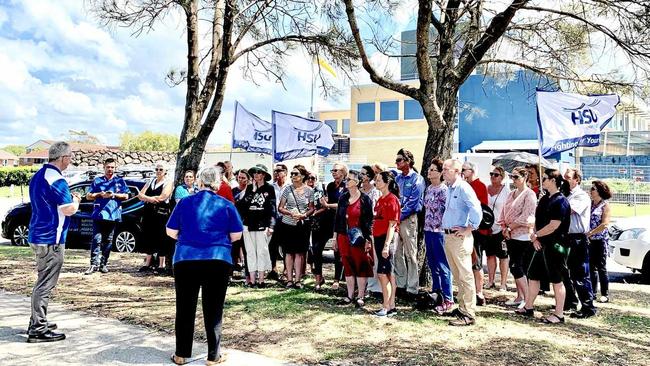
x=545, y=178
x=312, y=178
x=514, y=176
x=399, y=160
x=494, y=175
x=593, y=188
x=160, y=169
x=465, y=169
x=293, y=174
x=334, y=170
x=278, y=171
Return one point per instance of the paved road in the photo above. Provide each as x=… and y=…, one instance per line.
x=95, y=341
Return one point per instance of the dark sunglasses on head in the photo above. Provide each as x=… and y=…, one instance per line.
x=495, y=175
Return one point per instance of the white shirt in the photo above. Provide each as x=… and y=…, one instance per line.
x=278, y=192
x=580, y=211
x=496, y=203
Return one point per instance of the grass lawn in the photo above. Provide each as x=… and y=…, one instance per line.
x=7, y=192
x=624, y=210
x=307, y=327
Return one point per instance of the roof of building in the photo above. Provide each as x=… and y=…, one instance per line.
x=5, y=155
x=36, y=154
x=506, y=145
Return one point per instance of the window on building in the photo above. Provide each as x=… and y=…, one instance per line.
x=366, y=112
x=389, y=111
x=413, y=109
x=346, y=126
x=333, y=124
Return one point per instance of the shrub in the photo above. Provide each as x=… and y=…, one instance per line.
x=18, y=176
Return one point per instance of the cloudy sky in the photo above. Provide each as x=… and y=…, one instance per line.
x=60, y=70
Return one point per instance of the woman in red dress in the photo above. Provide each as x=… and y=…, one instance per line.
x=354, y=219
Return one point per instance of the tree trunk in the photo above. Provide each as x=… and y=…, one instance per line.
x=439, y=145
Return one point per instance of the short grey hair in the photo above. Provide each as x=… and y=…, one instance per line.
x=58, y=149
x=471, y=166
x=211, y=177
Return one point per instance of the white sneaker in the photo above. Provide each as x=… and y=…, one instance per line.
x=603, y=299
x=514, y=303
x=382, y=312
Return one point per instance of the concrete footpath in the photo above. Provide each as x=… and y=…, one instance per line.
x=95, y=341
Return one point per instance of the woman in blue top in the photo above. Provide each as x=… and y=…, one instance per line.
x=188, y=187
x=204, y=225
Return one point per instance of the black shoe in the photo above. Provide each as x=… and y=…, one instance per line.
x=261, y=285
x=583, y=314
x=480, y=300
x=93, y=268
x=273, y=275
x=144, y=269
x=103, y=269
x=48, y=336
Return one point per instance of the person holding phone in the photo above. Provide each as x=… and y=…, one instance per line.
x=108, y=192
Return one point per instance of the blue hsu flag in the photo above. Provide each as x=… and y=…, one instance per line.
x=297, y=137
x=570, y=120
x=251, y=133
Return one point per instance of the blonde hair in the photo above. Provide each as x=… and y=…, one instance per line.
x=343, y=167
x=380, y=166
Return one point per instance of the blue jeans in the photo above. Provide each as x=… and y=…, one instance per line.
x=102, y=242
x=437, y=260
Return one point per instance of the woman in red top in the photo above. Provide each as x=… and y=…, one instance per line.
x=354, y=211
x=384, y=229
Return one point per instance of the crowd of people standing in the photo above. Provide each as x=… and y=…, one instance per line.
x=543, y=229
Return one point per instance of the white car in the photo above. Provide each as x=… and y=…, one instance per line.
x=631, y=248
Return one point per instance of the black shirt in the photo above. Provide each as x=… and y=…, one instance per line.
x=258, y=207
x=552, y=208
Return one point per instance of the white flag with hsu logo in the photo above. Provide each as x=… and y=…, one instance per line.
x=251, y=133
x=297, y=137
x=570, y=120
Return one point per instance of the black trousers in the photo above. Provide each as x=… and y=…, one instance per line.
x=211, y=277
x=598, y=266
x=577, y=280
x=318, y=241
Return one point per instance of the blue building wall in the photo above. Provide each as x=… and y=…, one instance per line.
x=492, y=109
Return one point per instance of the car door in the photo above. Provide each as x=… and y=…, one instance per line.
x=81, y=224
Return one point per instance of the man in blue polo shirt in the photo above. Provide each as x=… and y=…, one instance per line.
x=108, y=192
x=51, y=203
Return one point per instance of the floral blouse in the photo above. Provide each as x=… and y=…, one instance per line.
x=434, y=204
x=596, y=219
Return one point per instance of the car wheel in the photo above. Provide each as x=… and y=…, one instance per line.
x=645, y=270
x=125, y=241
x=20, y=235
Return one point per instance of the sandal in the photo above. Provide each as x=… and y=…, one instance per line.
x=178, y=360
x=359, y=303
x=549, y=319
x=298, y=286
x=345, y=301
x=525, y=312
x=221, y=359
x=335, y=286
x=289, y=285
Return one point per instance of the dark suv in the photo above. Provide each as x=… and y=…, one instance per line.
x=128, y=235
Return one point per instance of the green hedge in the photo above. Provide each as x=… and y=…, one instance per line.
x=18, y=176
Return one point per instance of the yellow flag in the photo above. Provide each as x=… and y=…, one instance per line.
x=326, y=66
